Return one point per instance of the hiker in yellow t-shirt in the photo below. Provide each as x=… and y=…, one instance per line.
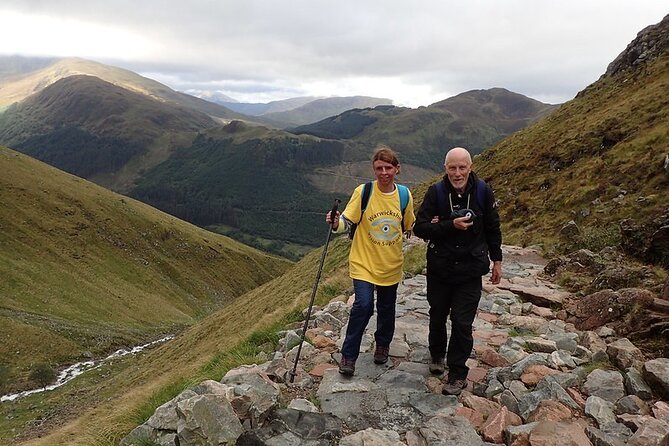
x=375, y=261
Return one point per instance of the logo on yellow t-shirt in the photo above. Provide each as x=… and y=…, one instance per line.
x=385, y=228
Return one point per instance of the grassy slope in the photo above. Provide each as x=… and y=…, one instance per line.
x=109, y=408
x=85, y=269
x=609, y=141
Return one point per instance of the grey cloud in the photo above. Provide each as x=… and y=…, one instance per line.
x=552, y=48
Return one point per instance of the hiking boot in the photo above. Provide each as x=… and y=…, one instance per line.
x=454, y=387
x=347, y=366
x=437, y=366
x=381, y=354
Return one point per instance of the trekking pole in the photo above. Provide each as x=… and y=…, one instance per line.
x=292, y=373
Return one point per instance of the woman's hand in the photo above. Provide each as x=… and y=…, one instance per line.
x=334, y=223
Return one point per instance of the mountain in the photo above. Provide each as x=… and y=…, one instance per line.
x=322, y=108
x=85, y=270
x=95, y=129
x=258, y=109
x=601, y=159
x=476, y=119
x=33, y=75
x=250, y=178
x=212, y=96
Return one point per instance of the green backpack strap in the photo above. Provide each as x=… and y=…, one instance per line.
x=404, y=199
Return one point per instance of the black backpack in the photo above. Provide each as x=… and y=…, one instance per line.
x=480, y=194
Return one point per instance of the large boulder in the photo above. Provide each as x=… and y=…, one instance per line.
x=293, y=427
x=656, y=373
x=597, y=309
x=647, y=240
x=207, y=420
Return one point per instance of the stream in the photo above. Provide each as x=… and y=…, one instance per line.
x=77, y=369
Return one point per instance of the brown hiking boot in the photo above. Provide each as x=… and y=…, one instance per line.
x=454, y=387
x=381, y=354
x=437, y=366
x=347, y=366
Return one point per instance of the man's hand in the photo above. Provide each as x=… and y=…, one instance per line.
x=496, y=275
x=462, y=223
x=335, y=223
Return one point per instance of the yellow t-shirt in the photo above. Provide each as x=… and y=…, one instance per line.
x=376, y=253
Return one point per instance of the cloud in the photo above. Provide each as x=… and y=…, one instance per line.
x=414, y=53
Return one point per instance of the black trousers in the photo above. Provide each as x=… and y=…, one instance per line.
x=460, y=300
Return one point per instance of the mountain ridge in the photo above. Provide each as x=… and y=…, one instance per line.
x=36, y=80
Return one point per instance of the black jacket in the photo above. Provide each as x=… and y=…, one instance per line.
x=453, y=254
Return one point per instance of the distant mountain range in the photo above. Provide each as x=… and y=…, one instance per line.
x=259, y=109
x=138, y=137
x=303, y=110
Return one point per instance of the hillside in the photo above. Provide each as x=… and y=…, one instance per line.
x=86, y=270
x=250, y=178
x=31, y=75
x=476, y=119
x=319, y=109
x=600, y=159
x=100, y=408
x=92, y=128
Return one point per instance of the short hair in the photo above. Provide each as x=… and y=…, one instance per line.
x=386, y=154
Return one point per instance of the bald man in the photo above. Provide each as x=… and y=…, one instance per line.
x=459, y=219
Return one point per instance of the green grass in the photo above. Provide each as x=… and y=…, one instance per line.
x=595, y=365
x=86, y=271
x=158, y=398
x=519, y=331
x=414, y=259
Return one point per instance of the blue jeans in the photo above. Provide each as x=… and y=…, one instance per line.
x=362, y=310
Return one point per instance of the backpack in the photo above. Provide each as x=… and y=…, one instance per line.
x=480, y=194
x=367, y=192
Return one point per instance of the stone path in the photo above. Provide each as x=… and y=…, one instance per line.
x=534, y=380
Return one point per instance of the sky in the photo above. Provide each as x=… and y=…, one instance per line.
x=413, y=52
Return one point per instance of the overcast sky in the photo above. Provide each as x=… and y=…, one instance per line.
x=413, y=52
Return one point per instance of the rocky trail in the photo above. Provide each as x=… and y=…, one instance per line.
x=534, y=380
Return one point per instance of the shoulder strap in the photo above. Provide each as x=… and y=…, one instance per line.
x=366, y=193
x=404, y=199
x=481, y=190
x=441, y=196
x=404, y=196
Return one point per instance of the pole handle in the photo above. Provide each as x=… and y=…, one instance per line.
x=333, y=212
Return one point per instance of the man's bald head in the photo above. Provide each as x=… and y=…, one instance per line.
x=459, y=154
